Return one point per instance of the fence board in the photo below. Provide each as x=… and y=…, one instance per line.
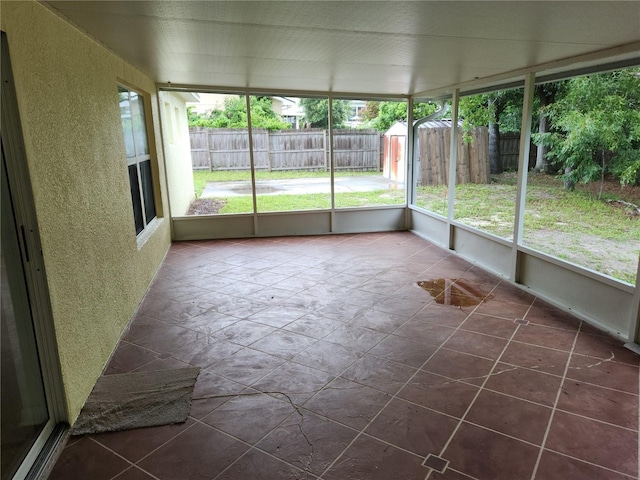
x=199, y=149
x=434, y=151
x=510, y=151
x=228, y=149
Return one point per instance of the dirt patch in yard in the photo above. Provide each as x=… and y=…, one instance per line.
x=611, y=188
x=612, y=257
x=206, y=206
x=616, y=257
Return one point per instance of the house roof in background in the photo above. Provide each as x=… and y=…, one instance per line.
x=375, y=48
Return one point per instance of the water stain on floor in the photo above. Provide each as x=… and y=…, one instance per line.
x=458, y=293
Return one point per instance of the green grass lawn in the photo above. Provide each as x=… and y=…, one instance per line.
x=201, y=177
x=312, y=201
x=572, y=225
x=548, y=206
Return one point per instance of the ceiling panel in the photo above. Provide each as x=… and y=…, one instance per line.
x=362, y=47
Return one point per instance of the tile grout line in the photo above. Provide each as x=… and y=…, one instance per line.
x=294, y=405
x=597, y=420
x=90, y=438
x=258, y=392
x=137, y=468
x=199, y=421
x=555, y=405
x=593, y=464
x=255, y=445
x=473, y=401
x=394, y=396
x=335, y=376
x=533, y=368
x=439, y=347
x=155, y=449
x=131, y=464
x=528, y=442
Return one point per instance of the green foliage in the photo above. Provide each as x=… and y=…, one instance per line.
x=371, y=110
x=475, y=111
x=503, y=107
x=424, y=109
x=596, y=126
x=234, y=115
x=192, y=116
x=316, y=112
x=594, y=123
x=389, y=113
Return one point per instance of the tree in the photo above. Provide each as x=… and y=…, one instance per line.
x=192, y=116
x=371, y=110
x=545, y=95
x=596, y=127
x=234, y=115
x=391, y=112
x=316, y=112
x=499, y=111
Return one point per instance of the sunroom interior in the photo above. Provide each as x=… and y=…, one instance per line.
x=66, y=62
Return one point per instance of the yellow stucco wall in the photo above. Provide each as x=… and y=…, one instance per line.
x=97, y=273
x=177, y=151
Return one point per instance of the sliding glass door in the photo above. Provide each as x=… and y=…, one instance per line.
x=24, y=405
x=32, y=407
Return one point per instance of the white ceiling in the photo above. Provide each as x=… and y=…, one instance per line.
x=360, y=47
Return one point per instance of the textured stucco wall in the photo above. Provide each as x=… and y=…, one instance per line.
x=177, y=151
x=97, y=274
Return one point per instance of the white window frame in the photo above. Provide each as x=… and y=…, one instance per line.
x=138, y=159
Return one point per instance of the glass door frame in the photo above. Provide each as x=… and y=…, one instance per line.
x=35, y=462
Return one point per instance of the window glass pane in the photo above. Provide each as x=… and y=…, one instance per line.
x=487, y=166
x=291, y=161
x=432, y=141
x=219, y=138
x=139, y=125
x=369, y=152
x=127, y=125
x=583, y=192
x=24, y=404
x=140, y=177
x=292, y=164
x=135, y=198
x=147, y=191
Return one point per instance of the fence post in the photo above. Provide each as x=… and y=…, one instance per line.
x=324, y=148
x=207, y=132
x=268, y=150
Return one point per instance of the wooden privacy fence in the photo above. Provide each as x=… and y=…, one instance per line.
x=434, y=150
x=510, y=151
x=228, y=149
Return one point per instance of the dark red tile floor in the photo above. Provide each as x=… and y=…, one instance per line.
x=322, y=358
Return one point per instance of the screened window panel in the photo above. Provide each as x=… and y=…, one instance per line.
x=127, y=127
x=147, y=190
x=135, y=198
x=138, y=157
x=139, y=125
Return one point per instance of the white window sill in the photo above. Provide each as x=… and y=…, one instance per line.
x=149, y=230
